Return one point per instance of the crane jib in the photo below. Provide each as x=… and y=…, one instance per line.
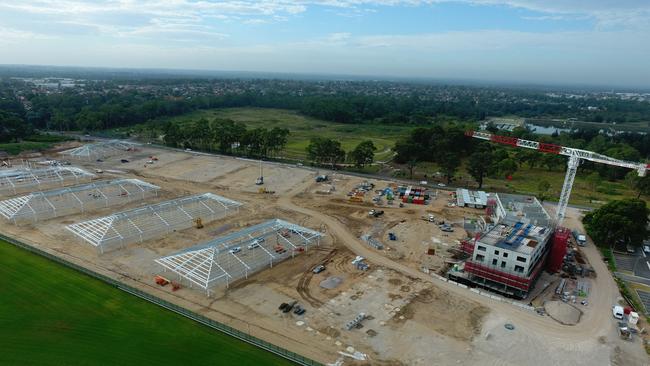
x=575, y=156
x=641, y=168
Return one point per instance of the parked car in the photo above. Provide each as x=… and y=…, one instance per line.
x=617, y=311
x=446, y=228
x=646, y=249
x=235, y=250
x=298, y=310
x=253, y=245
x=319, y=268
x=289, y=306
x=392, y=236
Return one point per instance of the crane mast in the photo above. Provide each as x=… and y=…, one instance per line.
x=575, y=158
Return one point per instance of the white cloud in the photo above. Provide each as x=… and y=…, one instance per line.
x=148, y=33
x=11, y=35
x=338, y=37
x=607, y=13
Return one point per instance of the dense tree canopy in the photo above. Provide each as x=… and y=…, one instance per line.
x=323, y=150
x=480, y=162
x=623, y=221
x=12, y=127
x=444, y=145
x=226, y=136
x=363, y=154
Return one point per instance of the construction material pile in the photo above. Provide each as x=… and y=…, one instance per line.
x=413, y=195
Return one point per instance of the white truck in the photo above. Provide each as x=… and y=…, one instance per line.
x=582, y=240
x=618, y=312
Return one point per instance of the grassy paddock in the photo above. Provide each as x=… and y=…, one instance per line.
x=15, y=148
x=304, y=128
x=32, y=143
x=53, y=315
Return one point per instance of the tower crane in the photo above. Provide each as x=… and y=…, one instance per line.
x=575, y=157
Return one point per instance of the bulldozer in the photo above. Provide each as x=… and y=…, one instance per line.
x=265, y=191
x=198, y=223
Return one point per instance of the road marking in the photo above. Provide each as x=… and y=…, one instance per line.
x=643, y=252
x=646, y=262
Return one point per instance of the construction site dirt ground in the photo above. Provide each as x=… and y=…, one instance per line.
x=413, y=318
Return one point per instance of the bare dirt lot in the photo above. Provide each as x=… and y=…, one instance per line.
x=411, y=317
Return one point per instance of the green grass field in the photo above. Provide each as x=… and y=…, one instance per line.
x=32, y=143
x=53, y=315
x=304, y=128
x=15, y=148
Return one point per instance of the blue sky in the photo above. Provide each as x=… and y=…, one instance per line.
x=603, y=42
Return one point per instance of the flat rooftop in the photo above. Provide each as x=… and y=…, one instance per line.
x=520, y=237
x=526, y=209
x=523, y=224
x=465, y=196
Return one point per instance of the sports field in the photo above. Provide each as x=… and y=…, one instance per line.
x=53, y=315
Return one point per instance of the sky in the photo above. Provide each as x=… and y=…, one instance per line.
x=590, y=42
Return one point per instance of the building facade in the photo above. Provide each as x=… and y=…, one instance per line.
x=509, y=255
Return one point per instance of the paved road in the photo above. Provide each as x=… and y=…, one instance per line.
x=638, y=263
x=632, y=278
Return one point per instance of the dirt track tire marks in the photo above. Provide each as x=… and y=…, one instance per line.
x=305, y=279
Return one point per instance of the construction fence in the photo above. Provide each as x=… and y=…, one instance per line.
x=291, y=356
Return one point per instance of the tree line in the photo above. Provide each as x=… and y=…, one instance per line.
x=449, y=149
x=99, y=105
x=445, y=145
x=227, y=137
x=328, y=151
x=619, y=223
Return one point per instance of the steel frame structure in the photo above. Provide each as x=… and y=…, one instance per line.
x=100, y=149
x=575, y=157
x=218, y=261
x=20, y=180
x=153, y=221
x=66, y=201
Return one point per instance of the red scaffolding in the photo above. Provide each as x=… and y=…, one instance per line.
x=519, y=282
x=558, y=250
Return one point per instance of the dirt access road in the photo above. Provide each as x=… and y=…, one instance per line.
x=596, y=331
